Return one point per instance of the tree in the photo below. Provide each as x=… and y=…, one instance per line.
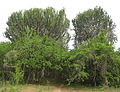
x=42, y=22
x=97, y=60
x=5, y=47
x=35, y=59
x=89, y=23
x=100, y=57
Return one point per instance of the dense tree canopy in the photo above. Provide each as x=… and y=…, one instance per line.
x=98, y=60
x=5, y=47
x=35, y=54
x=36, y=57
x=89, y=23
x=38, y=21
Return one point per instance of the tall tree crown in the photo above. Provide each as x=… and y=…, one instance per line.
x=89, y=23
x=47, y=21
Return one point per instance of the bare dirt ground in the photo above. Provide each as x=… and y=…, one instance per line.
x=35, y=89
x=51, y=89
x=58, y=89
x=29, y=89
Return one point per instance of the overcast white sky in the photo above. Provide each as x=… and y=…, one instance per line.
x=72, y=8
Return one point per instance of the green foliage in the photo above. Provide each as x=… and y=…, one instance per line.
x=36, y=54
x=17, y=76
x=35, y=58
x=89, y=23
x=97, y=58
x=43, y=22
x=40, y=59
x=5, y=47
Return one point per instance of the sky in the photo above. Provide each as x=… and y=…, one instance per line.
x=72, y=7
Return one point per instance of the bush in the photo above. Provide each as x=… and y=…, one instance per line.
x=38, y=58
x=5, y=47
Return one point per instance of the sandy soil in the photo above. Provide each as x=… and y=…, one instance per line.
x=29, y=89
x=59, y=89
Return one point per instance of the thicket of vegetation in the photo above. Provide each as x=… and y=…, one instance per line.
x=38, y=48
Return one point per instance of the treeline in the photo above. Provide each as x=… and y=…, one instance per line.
x=38, y=48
